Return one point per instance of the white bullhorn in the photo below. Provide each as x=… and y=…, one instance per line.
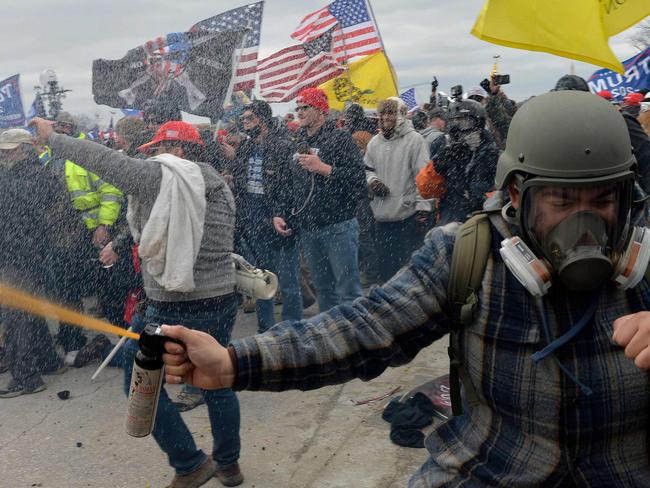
x=252, y=281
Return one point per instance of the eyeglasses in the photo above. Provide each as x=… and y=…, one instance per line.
x=300, y=108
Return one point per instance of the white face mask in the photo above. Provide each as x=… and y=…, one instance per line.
x=473, y=140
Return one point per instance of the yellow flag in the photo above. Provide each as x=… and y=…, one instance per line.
x=619, y=15
x=366, y=82
x=575, y=29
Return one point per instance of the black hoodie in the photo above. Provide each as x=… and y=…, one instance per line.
x=334, y=198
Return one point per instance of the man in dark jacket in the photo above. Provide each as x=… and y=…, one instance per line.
x=259, y=194
x=27, y=191
x=327, y=178
x=466, y=159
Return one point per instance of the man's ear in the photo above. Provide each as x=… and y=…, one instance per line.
x=515, y=196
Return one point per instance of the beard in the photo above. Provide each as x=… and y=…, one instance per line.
x=254, y=132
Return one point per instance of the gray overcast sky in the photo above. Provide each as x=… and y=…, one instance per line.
x=422, y=38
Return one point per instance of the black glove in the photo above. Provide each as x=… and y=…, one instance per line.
x=379, y=189
x=485, y=84
x=456, y=152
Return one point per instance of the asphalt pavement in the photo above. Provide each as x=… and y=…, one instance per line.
x=315, y=439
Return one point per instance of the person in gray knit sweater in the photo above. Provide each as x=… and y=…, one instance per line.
x=191, y=282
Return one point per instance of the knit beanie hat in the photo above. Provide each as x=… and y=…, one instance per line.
x=314, y=97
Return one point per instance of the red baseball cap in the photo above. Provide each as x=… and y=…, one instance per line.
x=606, y=94
x=314, y=97
x=633, y=99
x=174, y=130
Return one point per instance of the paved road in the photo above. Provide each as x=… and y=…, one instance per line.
x=316, y=439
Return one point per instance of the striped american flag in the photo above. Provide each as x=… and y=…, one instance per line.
x=355, y=33
x=284, y=74
x=408, y=97
x=246, y=17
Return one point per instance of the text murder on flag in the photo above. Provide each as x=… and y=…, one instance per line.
x=248, y=17
x=355, y=32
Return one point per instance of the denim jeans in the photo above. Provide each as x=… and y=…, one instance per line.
x=331, y=253
x=396, y=241
x=262, y=248
x=284, y=262
x=170, y=432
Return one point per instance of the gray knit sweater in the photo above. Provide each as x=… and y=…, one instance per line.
x=213, y=271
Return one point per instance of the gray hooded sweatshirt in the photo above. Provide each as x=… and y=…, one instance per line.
x=396, y=162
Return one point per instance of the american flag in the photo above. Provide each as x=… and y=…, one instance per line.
x=250, y=17
x=284, y=74
x=408, y=97
x=355, y=34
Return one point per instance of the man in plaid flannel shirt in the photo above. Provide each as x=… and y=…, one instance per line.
x=557, y=403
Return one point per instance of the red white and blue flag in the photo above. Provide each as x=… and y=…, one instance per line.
x=247, y=17
x=284, y=74
x=355, y=33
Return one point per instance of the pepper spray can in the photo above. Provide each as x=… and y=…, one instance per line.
x=146, y=382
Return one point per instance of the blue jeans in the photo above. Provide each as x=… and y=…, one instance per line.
x=331, y=253
x=261, y=247
x=170, y=432
x=284, y=262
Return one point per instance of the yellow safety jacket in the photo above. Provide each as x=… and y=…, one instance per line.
x=98, y=202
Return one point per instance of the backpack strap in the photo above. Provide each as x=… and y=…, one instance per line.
x=469, y=258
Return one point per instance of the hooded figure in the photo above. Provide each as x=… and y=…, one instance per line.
x=393, y=159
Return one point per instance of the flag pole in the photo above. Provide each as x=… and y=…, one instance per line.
x=237, y=53
x=383, y=47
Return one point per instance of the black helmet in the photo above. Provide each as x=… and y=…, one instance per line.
x=571, y=82
x=466, y=115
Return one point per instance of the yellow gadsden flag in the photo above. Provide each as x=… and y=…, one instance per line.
x=575, y=29
x=366, y=82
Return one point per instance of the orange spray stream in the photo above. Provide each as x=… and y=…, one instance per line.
x=10, y=297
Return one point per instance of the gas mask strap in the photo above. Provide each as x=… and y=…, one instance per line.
x=563, y=339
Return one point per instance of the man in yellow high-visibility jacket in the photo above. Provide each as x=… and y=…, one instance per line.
x=76, y=273
x=97, y=201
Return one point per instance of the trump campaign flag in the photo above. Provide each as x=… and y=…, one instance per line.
x=635, y=77
x=12, y=113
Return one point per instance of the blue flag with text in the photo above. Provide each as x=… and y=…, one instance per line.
x=12, y=113
x=636, y=76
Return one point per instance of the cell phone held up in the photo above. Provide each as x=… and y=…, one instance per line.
x=500, y=79
x=303, y=147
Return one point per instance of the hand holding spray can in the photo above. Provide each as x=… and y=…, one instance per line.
x=146, y=382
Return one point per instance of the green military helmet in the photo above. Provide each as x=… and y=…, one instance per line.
x=567, y=136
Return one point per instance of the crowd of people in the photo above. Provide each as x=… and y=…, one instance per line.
x=357, y=212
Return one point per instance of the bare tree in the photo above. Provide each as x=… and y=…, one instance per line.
x=640, y=38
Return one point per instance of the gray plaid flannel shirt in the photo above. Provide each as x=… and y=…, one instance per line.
x=533, y=426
